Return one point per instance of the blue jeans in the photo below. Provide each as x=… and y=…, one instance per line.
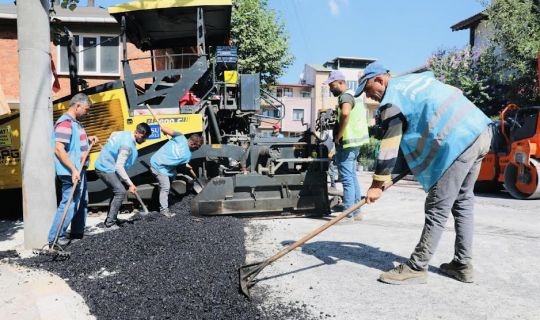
x=346, y=163
x=76, y=214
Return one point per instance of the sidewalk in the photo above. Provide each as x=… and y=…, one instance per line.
x=27, y=294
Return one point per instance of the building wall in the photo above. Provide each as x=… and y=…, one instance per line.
x=481, y=34
x=288, y=124
x=9, y=74
x=9, y=56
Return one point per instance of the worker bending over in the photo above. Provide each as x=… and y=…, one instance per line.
x=118, y=155
x=443, y=137
x=175, y=152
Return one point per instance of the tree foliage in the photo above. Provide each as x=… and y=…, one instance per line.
x=473, y=73
x=516, y=31
x=503, y=71
x=261, y=39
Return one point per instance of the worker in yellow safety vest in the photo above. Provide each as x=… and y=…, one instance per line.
x=350, y=133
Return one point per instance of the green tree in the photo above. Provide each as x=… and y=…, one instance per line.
x=516, y=32
x=261, y=39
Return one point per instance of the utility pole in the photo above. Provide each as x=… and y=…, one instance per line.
x=39, y=196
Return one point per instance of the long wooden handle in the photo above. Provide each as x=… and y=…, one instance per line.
x=329, y=223
x=70, y=198
x=152, y=113
x=141, y=202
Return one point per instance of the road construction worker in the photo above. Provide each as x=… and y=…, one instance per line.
x=118, y=155
x=71, y=144
x=350, y=133
x=443, y=137
x=175, y=152
x=276, y=130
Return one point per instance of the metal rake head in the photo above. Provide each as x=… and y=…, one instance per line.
x=53, y=250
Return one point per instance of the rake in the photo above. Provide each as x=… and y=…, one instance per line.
x=248, y=272
x=54, y=249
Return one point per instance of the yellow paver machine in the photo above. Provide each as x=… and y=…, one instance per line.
x=194, y=87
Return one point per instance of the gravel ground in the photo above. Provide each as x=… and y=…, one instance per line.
x=158, y=268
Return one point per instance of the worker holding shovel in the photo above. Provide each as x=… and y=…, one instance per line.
x=443, y=137
x=118, y=155
x=175, y=152
x=71, y=145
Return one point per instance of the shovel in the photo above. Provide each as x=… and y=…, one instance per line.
x=145, y=213
x=248, y=272
x=197, y=185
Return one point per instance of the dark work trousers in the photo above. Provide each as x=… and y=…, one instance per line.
x=119, y=192
x=452, y=193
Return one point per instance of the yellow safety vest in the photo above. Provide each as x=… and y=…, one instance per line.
x=356, y=131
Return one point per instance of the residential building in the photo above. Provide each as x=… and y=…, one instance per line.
x=97, y=43
x=479, y=30
x=297, y=101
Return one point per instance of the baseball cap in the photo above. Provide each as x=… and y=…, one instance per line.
x=335, y=75
x=372, y=70
x=276, y=125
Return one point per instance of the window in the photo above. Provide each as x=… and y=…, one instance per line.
x=352, y=84
x=271, y=113
x=284, y=92
x=287, y=92
x=97, y=55
x=305, y=94
x=297, y=114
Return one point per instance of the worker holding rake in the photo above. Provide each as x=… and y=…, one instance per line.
x=71, y=146
x=443, y=137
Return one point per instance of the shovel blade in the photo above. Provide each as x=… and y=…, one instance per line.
x=197, y=187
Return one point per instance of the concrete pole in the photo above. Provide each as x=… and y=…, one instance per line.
x=39, y=197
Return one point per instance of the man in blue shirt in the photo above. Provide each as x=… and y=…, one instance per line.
x=119, y=154
x=175, y=152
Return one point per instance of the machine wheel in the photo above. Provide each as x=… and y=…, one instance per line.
x=522, y=181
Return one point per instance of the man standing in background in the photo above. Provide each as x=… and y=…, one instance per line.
x=349, y=134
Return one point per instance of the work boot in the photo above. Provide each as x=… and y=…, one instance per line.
x=62, y=242
x=109, y=223
x=458, y=271
x=166, y=212
x=75, y=236
x=403, y=274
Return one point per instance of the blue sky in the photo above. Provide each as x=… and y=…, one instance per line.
x=400, y=34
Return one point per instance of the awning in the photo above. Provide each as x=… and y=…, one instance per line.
x=173, y=23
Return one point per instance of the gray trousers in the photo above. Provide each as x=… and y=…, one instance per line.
x=119, y=192
x=164, y=188
x=453, y=192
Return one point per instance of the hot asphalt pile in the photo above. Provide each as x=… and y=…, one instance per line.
x=159, y=268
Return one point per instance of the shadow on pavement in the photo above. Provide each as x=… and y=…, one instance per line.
x=330, y=252
x=8, y=228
